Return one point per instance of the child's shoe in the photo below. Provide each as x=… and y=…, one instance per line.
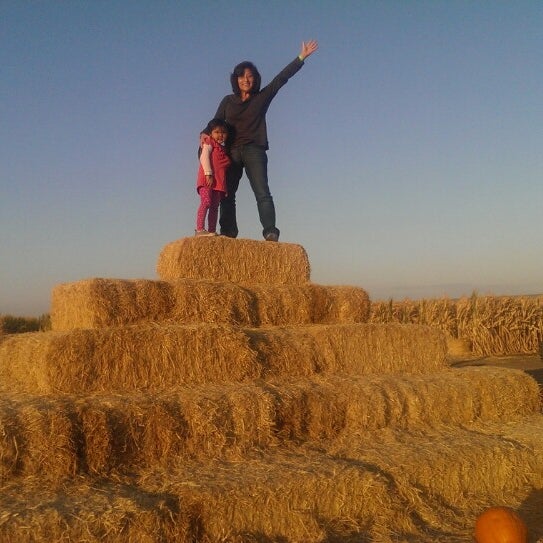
x=203, y=233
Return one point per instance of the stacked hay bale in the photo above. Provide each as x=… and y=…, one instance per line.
x=234, y=400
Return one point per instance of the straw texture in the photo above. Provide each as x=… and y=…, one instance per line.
x=150, y=357
x=100, y=433
x=388, y=485
x=103, y=303
x=236, y=260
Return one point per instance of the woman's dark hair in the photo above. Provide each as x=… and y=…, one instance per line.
x=239, y=71
x=214, y=123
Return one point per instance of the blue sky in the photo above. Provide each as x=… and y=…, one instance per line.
x=406, y=156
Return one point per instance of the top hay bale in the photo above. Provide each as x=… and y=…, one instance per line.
x=235, y=260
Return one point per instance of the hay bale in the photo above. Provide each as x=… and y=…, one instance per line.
x=57, y=437
x=447, y=475
x=458, y=348
x=360, y=349
x=102, y=303
x=235, y=260
x=390, y=485
x=324, y=407
x=36, y=437
x=89, y=510
x=149, y=357
x=212, y=509
x=97, y=302
x=282, y=305
x=126, y=358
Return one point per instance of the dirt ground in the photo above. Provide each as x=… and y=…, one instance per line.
x=532, y=364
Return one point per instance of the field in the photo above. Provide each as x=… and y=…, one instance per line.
x=252, y=405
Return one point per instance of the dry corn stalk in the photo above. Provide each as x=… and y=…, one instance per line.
x=491, y=325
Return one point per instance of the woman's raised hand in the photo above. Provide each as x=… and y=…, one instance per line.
x=308, y=48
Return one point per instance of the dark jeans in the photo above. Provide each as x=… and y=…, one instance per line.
x=255, y=161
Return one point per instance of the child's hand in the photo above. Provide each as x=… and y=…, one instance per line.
x=209, y=180
x=204, y=138
x=308, y=48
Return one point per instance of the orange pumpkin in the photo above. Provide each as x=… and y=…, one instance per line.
x=500, y=525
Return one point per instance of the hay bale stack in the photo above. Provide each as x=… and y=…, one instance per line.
x=240, y=503
x=234, y=260
x=103, y=303
x=390, y=485
x=104, y=433
x=150, y=357
x=235, y=401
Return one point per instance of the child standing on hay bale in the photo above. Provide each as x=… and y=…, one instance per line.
x=211, y=181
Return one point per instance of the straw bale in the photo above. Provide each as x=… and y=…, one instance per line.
x=361, y=349
x=306, y=304
x=458, y=349
x=104, y=432
x=325, y=407
x=449, y=474
x=126, y=358
x=36, y=437
x=284, y=496
x=102, y=303
x=89, y=511
x=59, y=436
x=139, y=431
x=236, y=260
x=268, y=305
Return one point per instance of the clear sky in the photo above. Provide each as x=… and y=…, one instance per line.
x=406, y=156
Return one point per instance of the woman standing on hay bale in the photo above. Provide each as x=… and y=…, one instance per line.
x=245, y=113
x=211, y=181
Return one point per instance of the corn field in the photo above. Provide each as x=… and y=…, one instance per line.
x=492, y=325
